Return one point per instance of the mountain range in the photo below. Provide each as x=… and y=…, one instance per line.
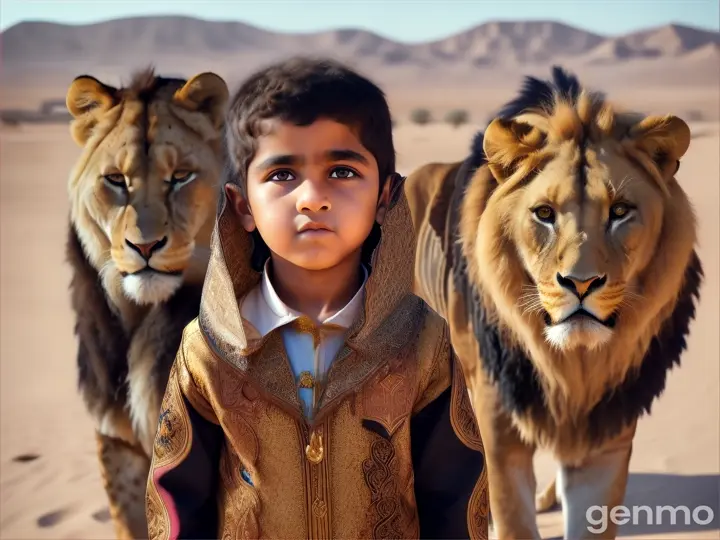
x=654, y=68
x=492, y=44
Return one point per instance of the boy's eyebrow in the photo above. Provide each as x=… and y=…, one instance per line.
x=341, y=154
x=281, y=159
x=346, y=155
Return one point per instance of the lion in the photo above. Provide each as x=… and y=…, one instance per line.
x=561, y=253
x=143, y=199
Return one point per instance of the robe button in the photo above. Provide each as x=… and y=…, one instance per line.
x=315, y=451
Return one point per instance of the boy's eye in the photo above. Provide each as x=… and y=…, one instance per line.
x=343, y=172
x=282, y=176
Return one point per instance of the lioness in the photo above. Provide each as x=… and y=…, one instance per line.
x=143, y=198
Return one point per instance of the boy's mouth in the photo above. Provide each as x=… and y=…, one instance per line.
x=314, y=226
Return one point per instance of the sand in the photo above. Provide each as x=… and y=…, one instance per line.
x=49, y=481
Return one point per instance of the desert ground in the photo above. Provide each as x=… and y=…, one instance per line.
x=49, y=481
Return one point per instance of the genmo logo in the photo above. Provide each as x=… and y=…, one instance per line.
x=599, y=517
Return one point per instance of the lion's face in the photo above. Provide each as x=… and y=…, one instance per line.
x=583, y=242
x=148, y=181
x=583, y=221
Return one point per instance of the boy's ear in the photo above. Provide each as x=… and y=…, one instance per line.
x=240, y=206
x=389, y=195
x=383, y=201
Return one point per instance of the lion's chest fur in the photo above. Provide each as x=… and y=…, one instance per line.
x=123, y=365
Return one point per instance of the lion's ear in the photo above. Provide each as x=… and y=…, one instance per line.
x=508, y=143
x=663, y=139
x=88, y=95
x=206, y=93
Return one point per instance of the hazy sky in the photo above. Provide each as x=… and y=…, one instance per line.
x=403, y=20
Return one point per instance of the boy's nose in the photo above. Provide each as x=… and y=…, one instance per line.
x=312, y=198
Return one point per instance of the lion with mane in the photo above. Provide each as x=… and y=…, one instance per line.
x=561, y=252
x=143, y=198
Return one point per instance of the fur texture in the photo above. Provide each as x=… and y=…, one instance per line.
x=143, y=202
x=569, y=278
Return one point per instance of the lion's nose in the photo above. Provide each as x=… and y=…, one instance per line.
x=147, y=249
x=581, y=287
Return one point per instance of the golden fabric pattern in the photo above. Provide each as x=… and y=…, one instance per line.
x=381, y=478
x=317, y=478
x=306, y=325
x=314, y=451
x=172, y=442
x=155, y=512
x=239, y=409
x=306, y=380
x=465, y=426
x=463, y=416
x=239, y=501
x=479, y=509
x=172, y=439
x=352, y=367
x=390, y=402
x=239, y=429
x=238, y=395
x=270, y=369
x=437, y=376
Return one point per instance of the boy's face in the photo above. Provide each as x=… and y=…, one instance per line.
x=312, y=193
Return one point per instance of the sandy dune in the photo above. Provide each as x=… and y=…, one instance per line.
x=50, y=486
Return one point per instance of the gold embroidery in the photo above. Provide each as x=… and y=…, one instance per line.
x=319, y=508
x=306, y=380
x=238, y=411
x=172, y=438
x=389, y=402
x=465, y=425
x=354, y=365
x=478, y=509
x=305, y=325
x=462, y=415
x=317, y=490
x=239, y=518
x=172, y=443
x=386, y=509
x=314, y=451
x=157, y=520
x=391, y=397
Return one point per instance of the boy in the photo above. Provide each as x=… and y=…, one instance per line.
x=315, y=396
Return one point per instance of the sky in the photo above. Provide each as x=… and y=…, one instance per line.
x=402, y=20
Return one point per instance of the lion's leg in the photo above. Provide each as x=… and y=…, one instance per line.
x=589, y=493
x=150, y=357
x=545, y=500
x=124, y=470
x=511, y=477
x=512, y=486
x=144, y=392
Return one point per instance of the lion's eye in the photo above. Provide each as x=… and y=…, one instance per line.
x=545, y=214
x=182, y=177
x=116, y=180
x=619, y=210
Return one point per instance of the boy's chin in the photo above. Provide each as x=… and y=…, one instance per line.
x=319, y=260
x=316, y=264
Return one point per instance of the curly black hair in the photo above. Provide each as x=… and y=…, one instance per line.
x=301, y=90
